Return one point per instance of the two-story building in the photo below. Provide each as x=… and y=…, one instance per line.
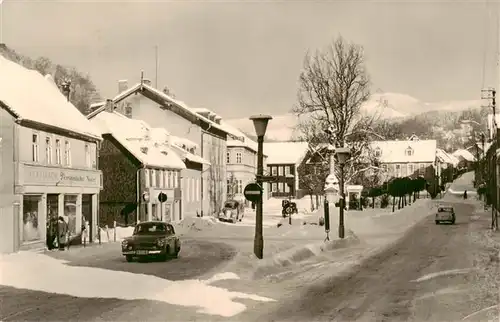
x=412, y=157
x=48, y=160
x=283, y=159
x=138, y=165
x=241, y=161
x=159, y=110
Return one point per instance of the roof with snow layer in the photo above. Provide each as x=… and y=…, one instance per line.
x=285, y=152
x=462, y=153
x=29, y=96
x=396, y=151
x=157, y=95
x=135, y=136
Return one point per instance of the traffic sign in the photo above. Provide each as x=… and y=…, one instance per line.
x=162, y=197
x=253, y=192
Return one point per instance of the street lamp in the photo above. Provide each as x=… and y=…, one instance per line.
x=260, y=124
x=343, y=155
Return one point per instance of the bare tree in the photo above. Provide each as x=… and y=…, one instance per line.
x=232, y=186
x=332, y=88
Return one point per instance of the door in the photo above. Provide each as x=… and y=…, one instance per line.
x=87, y=215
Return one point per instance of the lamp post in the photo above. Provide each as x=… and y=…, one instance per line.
x=342, y=155
x=260, y=124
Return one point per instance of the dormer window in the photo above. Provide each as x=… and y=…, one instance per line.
x=378, y=152
x=409, y=151
x=144, y=149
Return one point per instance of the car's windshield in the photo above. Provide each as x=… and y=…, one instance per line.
x=230, y=204
x=150, y=228
x=445, y=209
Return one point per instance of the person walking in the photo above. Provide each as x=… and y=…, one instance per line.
x=465, y=194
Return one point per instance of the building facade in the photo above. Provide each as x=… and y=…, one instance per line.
x=143, y=102
x=138, y=165
x=49, y=162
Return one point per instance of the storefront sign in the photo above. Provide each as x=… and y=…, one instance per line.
x=36, y=175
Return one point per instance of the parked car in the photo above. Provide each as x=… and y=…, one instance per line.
x=445, y=214
x=152, y=238
x=231, y=212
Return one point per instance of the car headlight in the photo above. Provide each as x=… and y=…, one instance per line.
x=160, y=242
x=124, y=243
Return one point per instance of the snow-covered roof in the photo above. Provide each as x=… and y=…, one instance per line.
x=142, y=86
x=464, y=154
x=285, y=152
x=396, y=151
x=136, y=137
x=443, y=156
x=184, y=154
x=30, y=96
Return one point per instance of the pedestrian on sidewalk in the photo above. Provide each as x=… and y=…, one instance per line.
x=465, y=194
x=62, y=229
x=51, y=232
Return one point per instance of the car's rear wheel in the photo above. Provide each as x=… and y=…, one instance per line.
x=129, y=258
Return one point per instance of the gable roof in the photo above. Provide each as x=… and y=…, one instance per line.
x=133, y=135
x=285, y=152
x=462, y=153
x=444, y=157
x=163, y=99
x=395, y=151
x=29, y=96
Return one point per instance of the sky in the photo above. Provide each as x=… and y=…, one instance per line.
x=244, y=57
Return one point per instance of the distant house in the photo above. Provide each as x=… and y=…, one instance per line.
x=283, y=159
x=412, y=157
x=49, y=164
x=137, y=168
x=241, y=162
x=466, y=159
x=159, y=110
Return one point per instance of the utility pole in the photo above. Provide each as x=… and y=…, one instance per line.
x=490, y=94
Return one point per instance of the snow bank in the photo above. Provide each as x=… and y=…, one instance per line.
x=22, y=270
x=115, y=234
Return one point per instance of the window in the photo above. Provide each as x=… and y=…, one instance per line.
x=287, y=188
x=228, y=157
x=228, y=187
x=31, y=229
x=409, y=151
x=422, y=168
x=274, y=171
x=158, y=174
x=70, y=212
x=410, y=169
x=34, y=147
x=161, y=179
x=280, y=170
x=274, y=187
x=384, y=167
x=48, y=150
x=287, y=170
x=240, y=186
x=152, y=174
x=193, y=189
x=88, y=161
x=378, y=152
x=146, y=178
x=398, y=170
x=197, y=190
x=58, y=151
x=67, y=153
x=238, y=157
x=165, y=179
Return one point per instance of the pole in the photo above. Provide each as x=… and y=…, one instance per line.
x=258, y=245
x=494, y=224
x=342, y=201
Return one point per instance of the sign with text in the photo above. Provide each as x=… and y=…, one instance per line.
x=38, y=175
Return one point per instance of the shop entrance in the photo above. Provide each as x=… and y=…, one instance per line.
x=87, y=215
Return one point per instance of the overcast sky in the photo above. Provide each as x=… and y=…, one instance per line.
x=244, y=58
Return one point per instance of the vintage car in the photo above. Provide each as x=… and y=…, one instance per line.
x=151, y=238
x=445, y=214
x=232, y=211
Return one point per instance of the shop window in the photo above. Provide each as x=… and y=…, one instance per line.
x=58, y=151
x=48, y=150
x=67, y=153
x=70, y=213
x=34, y=147
x=31, y=229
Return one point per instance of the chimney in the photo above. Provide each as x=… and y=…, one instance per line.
x=146, y=81
x=122, y=85
x=144, y=149
x=109, y=107
x=218, y=119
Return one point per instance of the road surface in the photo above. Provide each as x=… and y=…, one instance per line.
x=197, y=259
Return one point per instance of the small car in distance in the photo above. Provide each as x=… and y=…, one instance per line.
x=232, y=212
x=445, y=214
x=151, y=238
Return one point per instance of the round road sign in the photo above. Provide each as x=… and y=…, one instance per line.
x=162, y=197
x=253, y=192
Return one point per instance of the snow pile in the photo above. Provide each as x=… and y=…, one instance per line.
x=115, y=234
x=22, y=270
x=194, y=224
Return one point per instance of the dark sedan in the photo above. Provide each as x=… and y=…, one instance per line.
x=152, y=238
